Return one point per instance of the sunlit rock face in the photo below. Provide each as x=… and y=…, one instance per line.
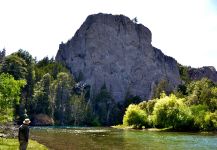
x=113, y=50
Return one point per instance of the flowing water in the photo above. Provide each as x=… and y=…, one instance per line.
x=94, y=138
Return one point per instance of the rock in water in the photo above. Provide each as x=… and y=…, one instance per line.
x=113, y=50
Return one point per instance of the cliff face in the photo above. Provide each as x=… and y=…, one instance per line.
x=199, y=73
x=115, y=51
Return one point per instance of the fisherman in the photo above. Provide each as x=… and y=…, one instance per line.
x=23, y=134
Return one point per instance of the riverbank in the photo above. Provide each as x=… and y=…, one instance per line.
x=159, y=130
x=13, y=144
x=9, y=141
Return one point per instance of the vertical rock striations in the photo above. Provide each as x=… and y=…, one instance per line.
x=113, y=50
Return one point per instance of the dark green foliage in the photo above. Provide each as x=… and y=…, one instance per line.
x=132, y=100
x=202, y=92
x=27, y=91
x=41, y=100
x=25, y=55
x=105, y=108
x=183, y=71
x=47, y=65
x=15, y=66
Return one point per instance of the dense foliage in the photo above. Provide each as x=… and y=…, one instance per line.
x=196, y=110
x=9, y=96
x=51, y=94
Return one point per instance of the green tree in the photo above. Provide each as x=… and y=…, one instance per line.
x=41, y=103
x=15, y=66
x=27, y=91
x=162, y=86
x=171, y=111
x=63, y=91
x=201, y=92
x=9, y=95
x=79, y=109
x=183, y=71
x=136, y=117
x=104, y=106
x=47, y=65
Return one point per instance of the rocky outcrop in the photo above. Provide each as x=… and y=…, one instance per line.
x=199, y=73
x=113, y=50
x=2, y=55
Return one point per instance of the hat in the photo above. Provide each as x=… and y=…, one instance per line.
x=26, y=121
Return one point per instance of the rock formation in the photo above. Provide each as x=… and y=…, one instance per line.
x=199, y=73
x=115, y=51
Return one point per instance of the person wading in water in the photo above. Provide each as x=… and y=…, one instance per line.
x=23, y=134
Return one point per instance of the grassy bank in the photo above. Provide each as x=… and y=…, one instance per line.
x=13, y=144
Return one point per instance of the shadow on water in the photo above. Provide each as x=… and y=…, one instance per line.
x=93, y=138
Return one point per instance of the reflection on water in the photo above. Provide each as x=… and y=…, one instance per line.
x=93, y=138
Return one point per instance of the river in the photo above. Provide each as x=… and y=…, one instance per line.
x=95, y=138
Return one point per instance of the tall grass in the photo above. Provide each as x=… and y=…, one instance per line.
x=13, y=144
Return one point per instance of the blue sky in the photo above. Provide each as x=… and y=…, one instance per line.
x=183, y=29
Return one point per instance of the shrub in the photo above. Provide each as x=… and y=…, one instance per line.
x=210, y=121
x=148, y=106
x=171, y=111
x=136, y=117
x=198, y=113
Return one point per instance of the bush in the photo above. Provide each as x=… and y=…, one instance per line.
x=210, y=121
x=198, y=113
x=148, y=106
x=136, y=117
x=171, y=111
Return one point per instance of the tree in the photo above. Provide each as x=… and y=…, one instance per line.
x=9, y=95
x=63, y=91
x=104, y=106
x=41, y=99
x=171, y=111
x=79, y=109
x=47, y=65
x=202, y=92
x=183, y=71
x=27, y=91
x=136, y=117
x=135, y=20
x=15, y=66
x=162, y=86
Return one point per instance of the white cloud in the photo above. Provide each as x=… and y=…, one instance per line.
x=183, y=29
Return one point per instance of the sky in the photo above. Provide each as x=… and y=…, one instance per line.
x=183, y=29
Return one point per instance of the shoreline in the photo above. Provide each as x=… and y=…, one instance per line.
x=9, y=138
x=160, y=130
